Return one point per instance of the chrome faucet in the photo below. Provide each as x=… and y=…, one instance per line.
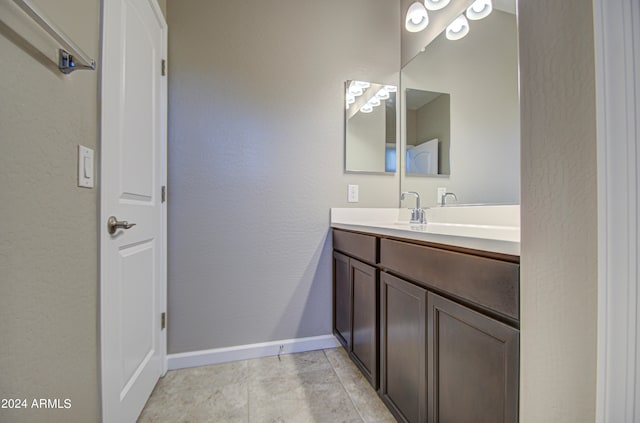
x=417, y=214
x=443, y=200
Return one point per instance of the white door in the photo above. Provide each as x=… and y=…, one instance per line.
x=133, y=141
x=423, y=158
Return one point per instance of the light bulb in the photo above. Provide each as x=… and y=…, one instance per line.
x=435, y=4
x=374, y=101
x=382, y=94
x=362, y=84
x=367, y=108
x=458, y=28
x=417, y=18
x=479, y=9
x=391, y=88
x=355, y=90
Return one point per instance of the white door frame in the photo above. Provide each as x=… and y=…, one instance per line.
x=617, y=47
x=163, y=176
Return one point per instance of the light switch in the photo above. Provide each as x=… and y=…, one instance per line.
x=352, y=195
x=85, y=167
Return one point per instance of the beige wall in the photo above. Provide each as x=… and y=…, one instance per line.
x=256, y=159
x=559, y=245
x=48, y=226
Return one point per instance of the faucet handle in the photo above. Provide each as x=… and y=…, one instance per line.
x=443, y=201
x=418, y=216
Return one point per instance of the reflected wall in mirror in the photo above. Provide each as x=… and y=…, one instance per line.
x=480, y=72
x=427, y=132
x=370, y=127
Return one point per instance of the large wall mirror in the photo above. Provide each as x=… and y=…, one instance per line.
x=370, y=127
x=475, y=80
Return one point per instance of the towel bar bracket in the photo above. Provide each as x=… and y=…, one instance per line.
x=67, y=64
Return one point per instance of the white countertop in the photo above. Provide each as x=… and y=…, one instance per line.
x=487, y=228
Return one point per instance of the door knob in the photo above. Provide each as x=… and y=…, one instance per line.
x=114, y=224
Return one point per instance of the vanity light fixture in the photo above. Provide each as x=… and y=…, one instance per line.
x=435, y=4
x=458, y=28
x=479, y=9
x=417, y=18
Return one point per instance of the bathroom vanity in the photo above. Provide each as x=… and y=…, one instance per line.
x=430, y=314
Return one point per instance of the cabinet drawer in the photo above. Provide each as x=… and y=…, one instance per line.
x=489, y=283
x=356, y=245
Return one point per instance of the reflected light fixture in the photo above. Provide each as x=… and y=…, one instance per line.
x=355, y=90
x=435, y=4
x=458, y=28
x=383, y=94
x=417, y=17
x=374, y=101
x=479, y=9
x=367, y=108
x=361, y=84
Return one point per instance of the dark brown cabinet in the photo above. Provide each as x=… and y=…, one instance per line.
x=447, y=321
x=473, y=365
x=403, y=380
x=364, y=348
x=356, y=312
x=342, y=299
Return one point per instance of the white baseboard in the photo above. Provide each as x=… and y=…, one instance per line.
x=245, y=352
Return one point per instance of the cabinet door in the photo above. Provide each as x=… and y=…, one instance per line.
x=365, y=319
x=473, y=365
x=342, y=299
x=403, y=378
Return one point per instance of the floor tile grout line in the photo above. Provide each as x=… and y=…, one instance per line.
x=248, y=396
x=343, y=386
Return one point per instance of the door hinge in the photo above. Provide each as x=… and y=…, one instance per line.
x=163, y=193
x=163, y=320
x=164, y=67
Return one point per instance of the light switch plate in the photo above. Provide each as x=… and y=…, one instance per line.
x=353, y=193
x=85, y=167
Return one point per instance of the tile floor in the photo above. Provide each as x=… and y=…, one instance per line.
x=315, y=386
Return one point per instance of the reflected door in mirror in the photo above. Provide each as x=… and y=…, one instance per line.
x=428, y=132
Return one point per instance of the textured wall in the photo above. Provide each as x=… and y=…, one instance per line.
x=559, y=245
x=256, y=160
x=48, y=226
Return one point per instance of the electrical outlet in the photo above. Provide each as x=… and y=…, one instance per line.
x=441, y=191
x=353, y=193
